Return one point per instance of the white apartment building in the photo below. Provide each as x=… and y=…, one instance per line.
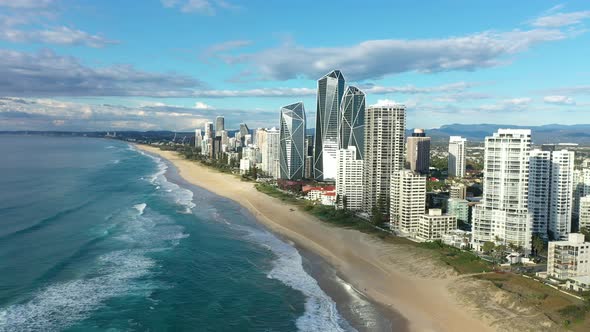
x=408, y=200
x=270, y=154
x=567, y=259
x=457, y=156
x=384, y=153
x=349, y=179
x=434, y=225
x=458, y=191
x=584, y=212
x=245, y=165
x=503, y=212
x=550, y=198
x=581, y=187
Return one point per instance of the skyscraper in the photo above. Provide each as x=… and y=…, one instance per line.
x=271, y=156
x=198, y=138
x=292, y=141
x=349, y=180
x=329, y=96
x=351, y=131
x=503, y=214
x=219, y=125
x=584, y=213
x=208, y=130
x=419, y=152
x=551, y=192
x=457, y=156
x=384, y=153
x=408, y=200
x=581, y=188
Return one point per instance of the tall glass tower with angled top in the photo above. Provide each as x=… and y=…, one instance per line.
x=292, y=142
x=330, y=92
x=351, y=127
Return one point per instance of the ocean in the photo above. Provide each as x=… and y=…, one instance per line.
x=98, y=236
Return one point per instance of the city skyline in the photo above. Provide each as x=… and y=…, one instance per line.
x=88, y=66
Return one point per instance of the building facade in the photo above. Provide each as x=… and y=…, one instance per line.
x=458, y=191
x=457, y=156
x=503, y=214
x=271, y=155
x=384, y=153
x=567, y=259
x=408, y=200
x=351, y=130
x=581, y=188
x=329, y=96
x=434, y=225
x=584, y=213
x=198, y=138
x=458, y=208
x=292, y=142
x=219, y=125
x=551, y=182
x=418, y=150
x=349, y=180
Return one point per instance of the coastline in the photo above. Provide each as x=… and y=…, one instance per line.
x=418, y=290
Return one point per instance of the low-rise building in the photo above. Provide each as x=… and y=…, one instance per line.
x=324, y=195
x=578, y=284
x=245, y=165
x=568, y=259
x=457, y=238
x=434, y=225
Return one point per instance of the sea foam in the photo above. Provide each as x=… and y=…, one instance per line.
x=320, y=313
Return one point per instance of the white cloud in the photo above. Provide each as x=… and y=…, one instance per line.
x=49, y=74
x=560, y=100
x=385, y=102
x=203, y=7
x=216, y=49
x=554, y=20
x=21, y=23
x=58, y=35
x=202, y=106
x=518, y=101
x=26, y=4
x=374, y=59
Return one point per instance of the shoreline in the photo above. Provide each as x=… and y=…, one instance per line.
x=422, y=296
x=359, y=312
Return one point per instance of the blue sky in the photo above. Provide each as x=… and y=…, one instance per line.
x=175, y=64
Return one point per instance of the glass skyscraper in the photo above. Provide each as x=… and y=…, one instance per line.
x=292, y=142
x=351, y=131
x=330, y=92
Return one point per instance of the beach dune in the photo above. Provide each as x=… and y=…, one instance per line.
x=411, y=284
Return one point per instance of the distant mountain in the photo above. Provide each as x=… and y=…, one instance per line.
x=552, y=133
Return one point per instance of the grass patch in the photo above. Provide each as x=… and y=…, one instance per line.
x=559, y=307
x=464, y=262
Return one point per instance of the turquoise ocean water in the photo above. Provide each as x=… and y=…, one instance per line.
x=95, y=236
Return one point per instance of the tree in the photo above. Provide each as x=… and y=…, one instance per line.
x=488, y=246
x=344, y=202
x=538, y=244
x=498, y=253
x=376, y=216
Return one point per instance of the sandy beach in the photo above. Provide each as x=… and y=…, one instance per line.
x=428, y=294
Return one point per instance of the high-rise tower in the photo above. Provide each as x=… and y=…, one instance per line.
x=384, y=153
x=419, y=151
x=351, y=127
x=503, y=215
x=329, y=96
x=292, y=142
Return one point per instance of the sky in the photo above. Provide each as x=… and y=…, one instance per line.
x=176, y=64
